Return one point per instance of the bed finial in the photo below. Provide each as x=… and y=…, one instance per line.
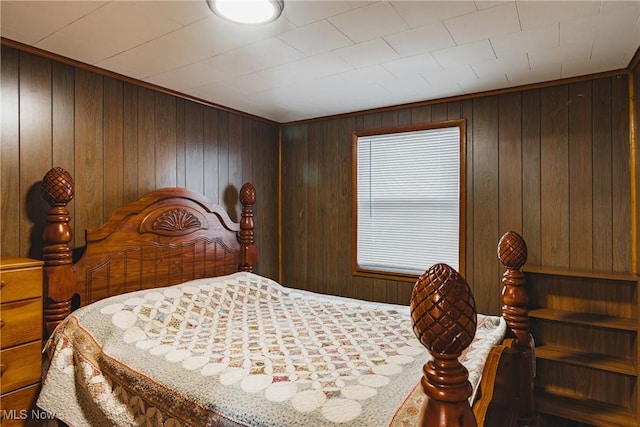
x=57, y=187
x=512, y=253
x=57, y=190
x=246, y=236
x=443, y=312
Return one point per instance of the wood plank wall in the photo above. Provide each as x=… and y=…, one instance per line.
x=120, y=141
x=551, y=163
x=635, y=116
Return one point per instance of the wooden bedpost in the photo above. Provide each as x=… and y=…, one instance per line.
x=248, y=253
x=512, y=253
x=443, y=312
x=57, y=190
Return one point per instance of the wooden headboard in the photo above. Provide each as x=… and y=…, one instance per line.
x=166, y=237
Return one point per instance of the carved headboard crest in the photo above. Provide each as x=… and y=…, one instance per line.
x=173, y=221
x=176, y=220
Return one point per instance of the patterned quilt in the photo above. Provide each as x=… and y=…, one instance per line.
x=241, y=350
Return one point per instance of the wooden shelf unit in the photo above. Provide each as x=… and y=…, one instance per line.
x=585, y=411
x=585, y=325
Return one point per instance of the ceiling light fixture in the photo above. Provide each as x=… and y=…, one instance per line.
x=247, y=11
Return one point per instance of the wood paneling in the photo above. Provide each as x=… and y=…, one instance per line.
x=113, y=145
x=194, y=147
x=602, y=178
x=550, y=163
x=294, y=253
x=119, y=141
x=146, y=141
x=621, y=175
x=35, y=128
x=10, y=195
x=531, y=170
x=554, y=152
x=165, y=165
x=467, y=253
x=62, y=109
x=211, y=161
x=510, y=162
x=485, y=200
x=130, y=143
x=89, y=159
x=580, y=177
x=635, y=160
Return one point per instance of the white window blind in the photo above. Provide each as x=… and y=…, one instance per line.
x=408, y=200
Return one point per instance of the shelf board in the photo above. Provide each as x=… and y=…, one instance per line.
x=588, y=319
x=582, y=410
x=602, y=362
x=558, y=271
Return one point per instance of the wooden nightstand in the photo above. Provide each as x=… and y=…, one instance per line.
x=20, y=338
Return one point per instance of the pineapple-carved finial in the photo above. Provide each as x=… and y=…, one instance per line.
x=248, y=194
x=57, y=190
x=512, y=250
x=57, y=187
x=512, y=253
x=443, y=312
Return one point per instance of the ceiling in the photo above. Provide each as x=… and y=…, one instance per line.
x=330, y=57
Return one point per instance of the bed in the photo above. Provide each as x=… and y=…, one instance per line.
x=162, y=321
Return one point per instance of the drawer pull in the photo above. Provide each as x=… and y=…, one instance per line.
x=3, y=368
x=2, y=283
x=1, y=323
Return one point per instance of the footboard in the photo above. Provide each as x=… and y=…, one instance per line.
x=443, y=313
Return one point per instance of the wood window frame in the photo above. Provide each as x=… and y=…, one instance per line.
x=363, y=272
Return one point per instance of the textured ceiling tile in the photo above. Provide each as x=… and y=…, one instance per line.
x=419, y=13
x=369, y=22
x=413, y=66
x=524, y=41
x=315, y=38
x=368, y=53
x=306, y=12
x=107, y=31
x=272, y=52
x=182, y=78
x=484, y=24
x=540, y=13
x=548, y=58
x=517, y=63
x=420, y=40
x=465, y=54
x=44, y=17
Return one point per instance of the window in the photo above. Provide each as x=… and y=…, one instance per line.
x=407, y=205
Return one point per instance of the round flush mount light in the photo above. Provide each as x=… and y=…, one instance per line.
x=247, y=11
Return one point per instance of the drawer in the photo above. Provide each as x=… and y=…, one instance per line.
x=20, y=322
x=20, y=366
x=20, y=284
x=18, y=407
